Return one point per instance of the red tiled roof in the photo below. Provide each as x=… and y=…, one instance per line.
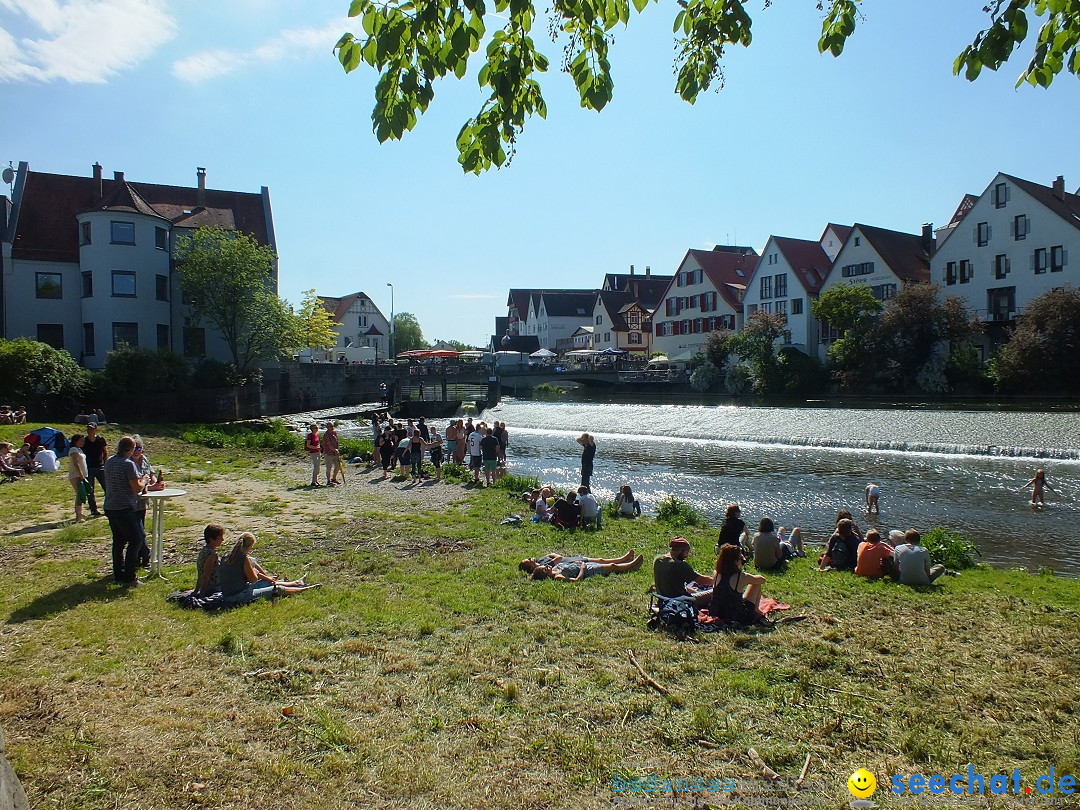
x=904, y=253
x=47, y=228
x=728, y=272
x=339, y=307
x=842, y=231
x=808, y=260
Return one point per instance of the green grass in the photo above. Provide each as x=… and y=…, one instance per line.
x=429, y=672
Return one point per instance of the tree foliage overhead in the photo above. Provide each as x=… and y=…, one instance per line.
x=228, y=279
x=413, y=43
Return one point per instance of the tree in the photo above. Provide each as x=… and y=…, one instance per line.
x=458, y=345
x=413, y=44
x=718, y=348
x=228, y=279
x=35, y=374
x=315, y=326
x=849, y=309
x=756, y=344
x=408, y=336
x=1043, y=353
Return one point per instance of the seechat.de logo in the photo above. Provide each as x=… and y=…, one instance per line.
x=862, y=785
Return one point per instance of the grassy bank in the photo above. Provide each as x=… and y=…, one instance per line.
x=429, y=673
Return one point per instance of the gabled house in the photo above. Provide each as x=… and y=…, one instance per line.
x=1011, y=245
x=645, y=289
x=358, y=322
x=882, y=259
x=87, y=262
x=620, y=322
x=833, y=238
x=517, y=306
x=704, y=296
x=554, y=315
x=786, y=280
x=582, y=338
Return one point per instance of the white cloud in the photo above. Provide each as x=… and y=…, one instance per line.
x=296, y=43
x=79, y=41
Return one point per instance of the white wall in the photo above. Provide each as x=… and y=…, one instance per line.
x=803, y=328
x=676, y=345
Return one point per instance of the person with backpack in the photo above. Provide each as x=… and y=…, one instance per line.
x=842, y=550
x=673, y=576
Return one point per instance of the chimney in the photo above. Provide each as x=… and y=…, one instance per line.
x=97, y=181
x=631, y=269
x=118, y=177
x=1059, y=187
x=648, y=270
x=928, y=241
x=200, y=200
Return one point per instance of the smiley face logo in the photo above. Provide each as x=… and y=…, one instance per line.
x=862, y=784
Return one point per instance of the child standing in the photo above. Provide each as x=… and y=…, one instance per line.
x=871, y=495
x=1039, y=486
x=77, y=474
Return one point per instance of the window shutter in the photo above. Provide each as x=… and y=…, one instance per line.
x=989, y=232
x=1027, y=225
x=1012, y=228
x=1031, y=262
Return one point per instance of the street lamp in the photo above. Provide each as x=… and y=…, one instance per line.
x=392, y=355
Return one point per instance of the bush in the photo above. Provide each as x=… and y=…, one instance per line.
x=36, y=375
x=802, y=374
x=678, y=513
x=951, y=549
x=130, y=369
x=273, y=436
x=354, y=448
x=706, y=376
x=454, y=473
x=548, y=391
x=518, y=483
x=738, y=380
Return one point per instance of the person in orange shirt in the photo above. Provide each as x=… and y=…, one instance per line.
x=875, y=557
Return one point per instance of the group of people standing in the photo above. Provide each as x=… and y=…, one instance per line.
x=403, y=445
x=324, y=449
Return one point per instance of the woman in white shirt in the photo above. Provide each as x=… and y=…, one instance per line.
x=77, y=474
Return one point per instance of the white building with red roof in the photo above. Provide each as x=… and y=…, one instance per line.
x=787, y=278
x=359, y=323
x=704, y=296
x=86, y=263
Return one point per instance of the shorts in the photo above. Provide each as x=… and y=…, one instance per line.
x=81, y=492
x=474, y=462
x=490, y=464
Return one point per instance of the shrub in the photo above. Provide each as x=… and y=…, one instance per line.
x=548, y=391
x=273, y=436
x=35, y=374
x=518, y=483
x=951, y=549
x=130, y=369
x=678, y=513
x=454, y=473
x=354, y=448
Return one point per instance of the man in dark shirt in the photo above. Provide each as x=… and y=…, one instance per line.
x=489, y=455
x=672, y=573
x=96, y=449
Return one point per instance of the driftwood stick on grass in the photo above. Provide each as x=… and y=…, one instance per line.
x=802, y=776
x=648, y=680
x=766, y=771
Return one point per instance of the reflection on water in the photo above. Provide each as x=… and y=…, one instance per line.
x=799, y=465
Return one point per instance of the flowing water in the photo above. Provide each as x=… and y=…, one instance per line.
x=960, y=469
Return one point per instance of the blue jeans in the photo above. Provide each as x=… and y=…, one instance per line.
x=98, y=474
x=128, y=538
x=254, y=590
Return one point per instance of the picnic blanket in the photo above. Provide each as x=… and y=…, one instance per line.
x=709, y=623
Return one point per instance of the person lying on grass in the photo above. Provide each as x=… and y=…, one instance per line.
x=244, y=580
x=574, y=569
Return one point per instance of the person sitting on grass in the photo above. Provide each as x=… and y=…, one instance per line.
x=244, y=580
x=574, y=569
x=567, y=511
x=875, y=557
x=626, y=504
x=736, y=594
x=207, y=565
x=591, y=513
x=733, y=530
x=842, y=550
x=673, y=576
x=772, y=549
x=543, y=511
x=24, y=460
x=6, y=467
x=913, y=561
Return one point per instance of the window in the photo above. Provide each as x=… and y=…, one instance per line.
x=883, y=292
x=751, y=309
x=781, y=306
x=88, y=339
x=123, y=233
x=161, y=238
x=194, y=341
x=861, y=269
x=766, y=287
x=1001, y=195
x=796, y=306
x=766, y=306
x=123, y=284
x=728, y=322
x=84, y=233
x=1001, y=303
x=1021, y=227
x=125, y=334
x=163, y=336
x=362, y=321
x=965, y=271
x=633, y=318
x=950, y=273
x=634, y=337
x=1058, y=258
x=52, y=334
x=49, y=285
x=780, y=285
x=1038, y=261
x=599, y=319
x=607, y=337
x=162, y=288
x=87, y=284
x=858, y=241
x=1001, y=266
x=982, y=234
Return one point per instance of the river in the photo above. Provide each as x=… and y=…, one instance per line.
x=960, y=469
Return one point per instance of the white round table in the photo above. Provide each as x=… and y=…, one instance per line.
x=157, y=500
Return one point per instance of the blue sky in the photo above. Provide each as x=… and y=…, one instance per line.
x=884, y=135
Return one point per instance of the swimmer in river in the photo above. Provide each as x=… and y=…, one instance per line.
x=871, y=495
x=1039, y=486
